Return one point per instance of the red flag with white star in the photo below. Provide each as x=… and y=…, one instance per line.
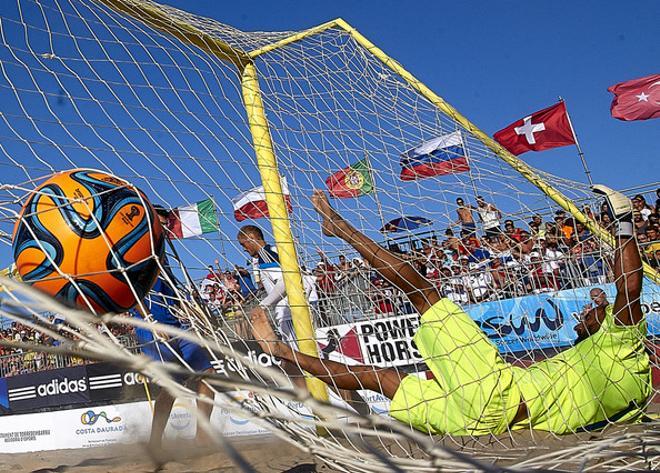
x=546, y=129
x=637, y=99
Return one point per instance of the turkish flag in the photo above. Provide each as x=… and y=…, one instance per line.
x=637, y=99
x=546, y=129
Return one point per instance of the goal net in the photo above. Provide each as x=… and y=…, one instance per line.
x=167, y=101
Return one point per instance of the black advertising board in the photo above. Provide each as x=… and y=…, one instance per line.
x=29, y=392
x=103, y=383
x=107, y=382
x=73, y=386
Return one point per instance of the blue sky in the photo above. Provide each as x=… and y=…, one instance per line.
x=497, y=61
x=494, y=61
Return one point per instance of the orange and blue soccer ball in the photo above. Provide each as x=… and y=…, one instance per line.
x=76, y=233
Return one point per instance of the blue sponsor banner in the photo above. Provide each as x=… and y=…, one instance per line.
x=547, y=320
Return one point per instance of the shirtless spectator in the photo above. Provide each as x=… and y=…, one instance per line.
x=465, y=217
x=605, y=221
x=344, y=265
x=523, y=246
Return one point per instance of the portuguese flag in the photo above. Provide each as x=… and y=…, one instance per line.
x=192, y=220
x=352, y=181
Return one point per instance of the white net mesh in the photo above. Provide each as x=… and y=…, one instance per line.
x=83, y=86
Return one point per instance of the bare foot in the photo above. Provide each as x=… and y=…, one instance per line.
x=333, y=223
x=264, y=335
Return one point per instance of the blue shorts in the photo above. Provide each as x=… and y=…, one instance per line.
x=194, y=355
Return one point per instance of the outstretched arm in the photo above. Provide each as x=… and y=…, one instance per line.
x=628, y=272
x=398, y=271
x=339, y=375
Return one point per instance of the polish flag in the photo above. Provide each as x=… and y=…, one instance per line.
x=252, y=203
x=637, y=99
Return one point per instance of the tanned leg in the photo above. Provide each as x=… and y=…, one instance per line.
x=339, y=375
x=202, y=437
x=421, y=292
x=162, y=408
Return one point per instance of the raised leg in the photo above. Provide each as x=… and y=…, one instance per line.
x=421, y=292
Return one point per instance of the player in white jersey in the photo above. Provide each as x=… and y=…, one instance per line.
x=266, y=263
x=267, y=266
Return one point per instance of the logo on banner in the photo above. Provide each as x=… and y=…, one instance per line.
x=181, y=416
x=54, y=387
x=503, y=326
x=90, y=418
x=390, y=341
x=227, y=365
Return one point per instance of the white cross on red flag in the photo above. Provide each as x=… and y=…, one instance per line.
x=546, y=129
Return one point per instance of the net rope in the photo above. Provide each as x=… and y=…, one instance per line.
x=83, y=86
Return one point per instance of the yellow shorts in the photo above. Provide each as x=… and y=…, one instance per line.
x=473, y=392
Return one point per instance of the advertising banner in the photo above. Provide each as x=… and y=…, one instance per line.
x=100, y=383
x=33, y=391
x=110, y=424
x=520, y=324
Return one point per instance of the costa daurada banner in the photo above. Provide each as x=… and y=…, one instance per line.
x=521, y=324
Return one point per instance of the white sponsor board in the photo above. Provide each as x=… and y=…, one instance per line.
x=104, y=425
x=131, y=422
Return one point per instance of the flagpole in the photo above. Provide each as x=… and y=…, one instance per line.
x=378, y=205
x=587, y=172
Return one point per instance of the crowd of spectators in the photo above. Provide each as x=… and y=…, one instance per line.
x=481, y=257
x=17, y=360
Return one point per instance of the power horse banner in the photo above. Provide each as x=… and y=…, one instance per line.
x=522, y=324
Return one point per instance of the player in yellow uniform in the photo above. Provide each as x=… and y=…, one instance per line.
x=604, y=378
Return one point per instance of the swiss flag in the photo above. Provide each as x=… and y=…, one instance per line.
x=546, y=129
x=637, y=99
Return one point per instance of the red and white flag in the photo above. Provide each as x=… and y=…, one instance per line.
x=252, y=203
x=546, y=129
x=637, y=99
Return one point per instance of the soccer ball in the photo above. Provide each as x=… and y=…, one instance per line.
x=89, y=239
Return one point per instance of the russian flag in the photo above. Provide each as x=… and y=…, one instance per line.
x=439, y=156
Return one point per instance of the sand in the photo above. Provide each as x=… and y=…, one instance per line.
x=268, y=453
x=264, y=453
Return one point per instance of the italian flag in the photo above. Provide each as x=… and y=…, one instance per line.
x=353, y=181
x=252, y=203
x=193, y=220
